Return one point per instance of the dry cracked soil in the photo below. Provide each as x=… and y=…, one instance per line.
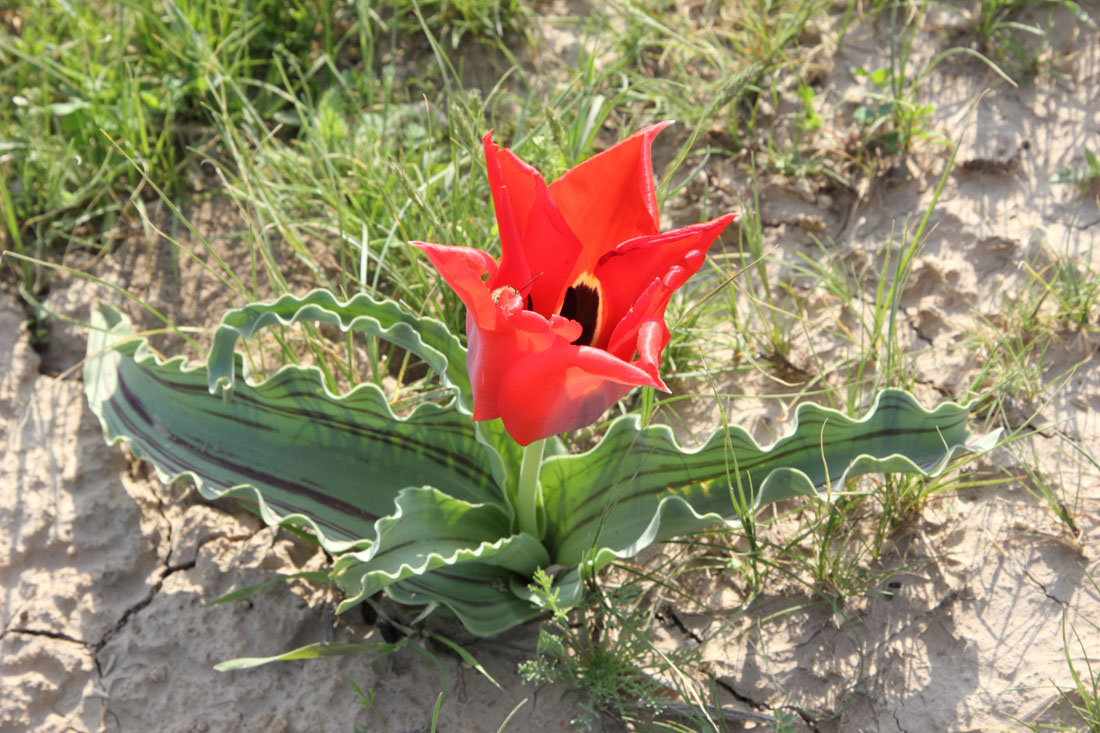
x=105, y=574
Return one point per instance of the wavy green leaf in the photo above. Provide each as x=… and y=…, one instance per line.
x=427, y=338
x=639, y=486
x=307, y=457
x=431, y=530
x=485, y=598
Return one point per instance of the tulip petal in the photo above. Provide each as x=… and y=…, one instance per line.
x=610, y=197
x=643, y=331
x=464, y=269
x=629, y=269
x=653, y=336
x=538, y=249
x=494, y=353
x=624, y=342
x=564, y=388
x=552, y=252
x=490, y=356
x=512, y=184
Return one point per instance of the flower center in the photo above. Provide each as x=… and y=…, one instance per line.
x=583, y=303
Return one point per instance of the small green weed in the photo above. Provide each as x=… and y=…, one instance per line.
x=606, y=652
x=1058, y=299
x=796, y=157
x=894, y=117
x=1082, y=177
x=365, y=699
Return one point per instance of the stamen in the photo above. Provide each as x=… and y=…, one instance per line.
x=531, y=282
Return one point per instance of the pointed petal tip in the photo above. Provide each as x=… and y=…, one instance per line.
x=652, y=130
x=721, y=222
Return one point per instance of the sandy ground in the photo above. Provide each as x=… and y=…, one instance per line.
x=104, y=573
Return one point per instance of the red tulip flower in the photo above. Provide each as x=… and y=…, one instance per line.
x=573, y=315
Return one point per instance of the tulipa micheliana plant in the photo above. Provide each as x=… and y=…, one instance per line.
x=459, y=505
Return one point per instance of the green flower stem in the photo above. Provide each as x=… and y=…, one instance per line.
x=529, y=488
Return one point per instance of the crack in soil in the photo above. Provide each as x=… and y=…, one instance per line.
x=46, y=633
x=932, y=385
x=168, y=570
x=947, y=601
x=897, y=721
x=728, y=687
x=132, y=610
x=1042, y=587
x=668, y=614
x=910, y=319
x=810, y=718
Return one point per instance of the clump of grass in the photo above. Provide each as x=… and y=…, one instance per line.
x=104, y=95
x=106, y=101
x=1014, y=43
x=1057, y=300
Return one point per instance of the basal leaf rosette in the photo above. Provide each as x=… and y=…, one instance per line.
x=443, y=505
x=413, y=505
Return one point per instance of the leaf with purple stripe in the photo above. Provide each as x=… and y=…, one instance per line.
x=334, y=464
x=431, y=530
x=639, y=486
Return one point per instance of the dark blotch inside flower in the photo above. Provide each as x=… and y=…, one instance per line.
x=582, y=304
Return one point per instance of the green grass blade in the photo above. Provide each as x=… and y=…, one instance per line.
x=312, y=651
x=241, y=593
